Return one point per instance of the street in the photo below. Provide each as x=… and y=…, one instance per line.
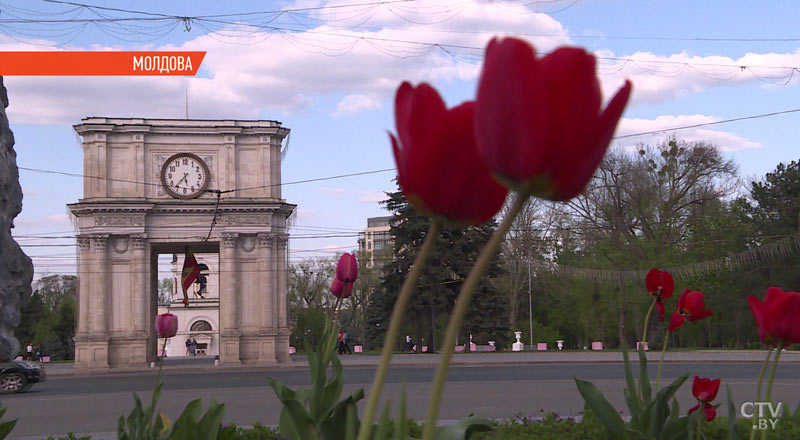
x=92, y=404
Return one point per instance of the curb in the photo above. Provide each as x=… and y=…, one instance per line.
x=456, y=363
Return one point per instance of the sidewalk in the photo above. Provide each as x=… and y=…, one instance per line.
x=206, y=364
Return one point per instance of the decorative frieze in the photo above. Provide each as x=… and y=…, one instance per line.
x=119, y=220
x=99, y=242
x=139, y=241
x=83, y=242
x=229, y=239
x=246, y=219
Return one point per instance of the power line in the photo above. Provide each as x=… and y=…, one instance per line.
x=724, y=121
x=384, y=170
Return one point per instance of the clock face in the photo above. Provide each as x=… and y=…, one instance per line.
x=185, y=176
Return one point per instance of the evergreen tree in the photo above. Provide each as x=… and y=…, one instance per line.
x=450, y=261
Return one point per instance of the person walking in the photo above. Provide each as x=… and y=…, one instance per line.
x=340, y=342
x=409, y=345
x=188, y=345
x=193, y=347
x=29, y=349
x=346, y=344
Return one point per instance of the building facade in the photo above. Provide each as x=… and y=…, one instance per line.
x=376, y=240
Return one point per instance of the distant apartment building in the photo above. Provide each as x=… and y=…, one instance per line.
x=376, y=240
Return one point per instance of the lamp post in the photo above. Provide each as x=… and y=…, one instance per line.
x=530, y=301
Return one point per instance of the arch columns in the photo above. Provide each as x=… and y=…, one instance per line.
x=229, y=301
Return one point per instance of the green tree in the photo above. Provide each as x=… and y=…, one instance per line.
x=775, y=201
x=446, y=268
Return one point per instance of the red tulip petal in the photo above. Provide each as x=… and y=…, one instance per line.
x=464, y=189
x=573, y=98
x=694, y=408
x=781, y=317
x=757, y=309
x=607, y=125
x=661, y=311
x=681, y=299
x=652, y=280
x=510, y=120
x=700, y=315
x=667, y=285
x=711, y=413
x=675, y=322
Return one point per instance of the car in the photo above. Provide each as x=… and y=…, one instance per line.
x=19, y=376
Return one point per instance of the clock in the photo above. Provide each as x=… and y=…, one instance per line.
x=185, y=176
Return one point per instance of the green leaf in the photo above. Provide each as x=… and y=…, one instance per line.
x=332, y=391
x=644, y=377
x=192, y=411
x=463, y=429
x=6, y=427
x=208, y=426
x=657, y=411
x=631, y=395
x=335, y=426
x=602, y=409
x=796, y=415
x=384, y=425
x=294, y=422
x=732, y=433
x=401, y=432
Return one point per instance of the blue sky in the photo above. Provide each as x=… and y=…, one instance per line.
x=327, y=76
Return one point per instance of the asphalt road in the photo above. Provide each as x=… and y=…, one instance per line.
x=94, y=403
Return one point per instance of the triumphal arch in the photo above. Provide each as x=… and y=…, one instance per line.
x=155, y=186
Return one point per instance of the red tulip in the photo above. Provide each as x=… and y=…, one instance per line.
x=778, y=317
x=339, y=290
x=438, y=166
x=705, y=390
x=538, y=122
x=690, y=306
x=166, y=325
x=660, y=285
x=347, y=268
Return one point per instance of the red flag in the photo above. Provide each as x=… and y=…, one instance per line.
x=191, y=270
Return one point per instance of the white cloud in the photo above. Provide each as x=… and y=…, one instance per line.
x=332, y=190
x=283, y=72
x=352, y=104
x=288, y=73
x=371, y=196
x=658, y=78
x=723, y=140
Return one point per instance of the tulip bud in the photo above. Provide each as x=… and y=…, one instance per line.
x=166, y=325
x=438, y=166
x=341, y=289
x=539, y=124
x=347, y=268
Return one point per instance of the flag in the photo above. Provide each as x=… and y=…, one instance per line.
x=190, y=272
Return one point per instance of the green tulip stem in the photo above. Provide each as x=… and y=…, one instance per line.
x=758, y=389
x=647, y=319
x=460, y=309
x=390, y=339
x=661, y=361
x=336, y=306
x=772, y=375
x=769, y=383
x=161, y=360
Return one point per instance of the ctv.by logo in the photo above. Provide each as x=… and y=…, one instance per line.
x=760, y=410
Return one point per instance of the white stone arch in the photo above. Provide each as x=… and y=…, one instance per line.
x=126, y=218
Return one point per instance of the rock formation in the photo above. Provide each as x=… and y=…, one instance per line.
x=16, y=269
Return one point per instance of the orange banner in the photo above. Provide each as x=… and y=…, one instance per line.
x=59, y=63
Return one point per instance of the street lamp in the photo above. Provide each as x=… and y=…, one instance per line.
x=530, y=300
